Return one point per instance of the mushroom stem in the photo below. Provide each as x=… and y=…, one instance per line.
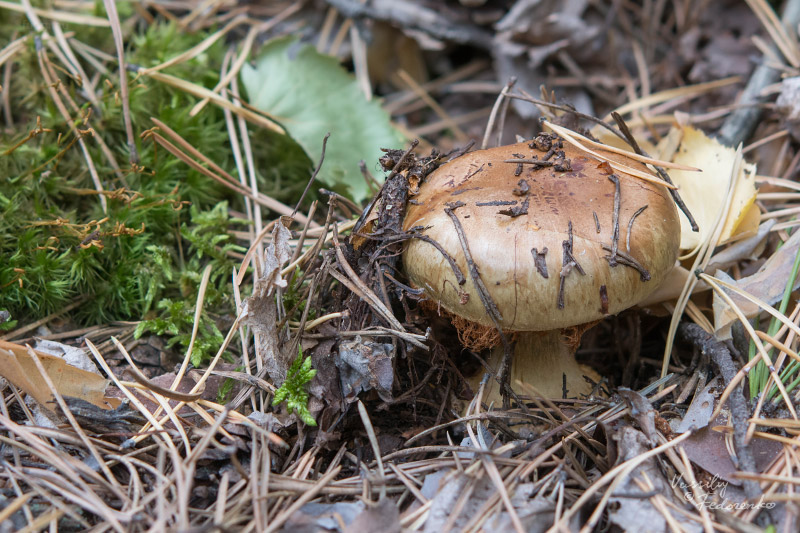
x=541, y=359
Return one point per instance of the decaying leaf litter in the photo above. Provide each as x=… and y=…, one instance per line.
x=401, y=441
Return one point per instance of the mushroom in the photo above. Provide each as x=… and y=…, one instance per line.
x=542, y=240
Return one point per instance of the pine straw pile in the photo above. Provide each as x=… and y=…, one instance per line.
x=379, y=429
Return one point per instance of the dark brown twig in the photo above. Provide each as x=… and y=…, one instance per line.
x=630, y=227
x=628, y=261
x=412, y=234
x=504, y=372
x=740, y=413
x=612, y=258
x=454, y=154
x=491, y=308
x=534, y=162
x=676, y=197
x=568, y=263
x=528, y=98
x=539, y=261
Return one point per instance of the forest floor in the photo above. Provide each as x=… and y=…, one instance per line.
x=206, y=323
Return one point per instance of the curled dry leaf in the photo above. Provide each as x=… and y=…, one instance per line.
x=768, y=285
x=365, y=365
x=704, y=193
x=74, y=356
x=260, y=311
x=18, y=367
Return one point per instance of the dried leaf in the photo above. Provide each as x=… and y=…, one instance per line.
x=278, y=252
x=260, y=311
x=18, y=367
x=446, y=487
x=704, y=193
x=73, y=356
x=789, y=104
x=699, y=413
x=365, y=365
x=633, y=514
x=318, y=517
x=768, y=285
x=642, y=412
x=383, y=516
x=708, y=449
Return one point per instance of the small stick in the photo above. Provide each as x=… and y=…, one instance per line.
x=488, y=303
x=721, y=357
x=568, y=263
x=630, y=227
x=626, y=260
x=411, y=234
x=539, y=261
x=612, y=259
x=534, y=162
x=517, y=210
x=596, y=221
x=452, y=262
x=454, y=154
x=676, y=197
x=495, y=203
x=504, y=372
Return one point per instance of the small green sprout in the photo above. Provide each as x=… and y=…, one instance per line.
x=293, y=390
x=6, y=324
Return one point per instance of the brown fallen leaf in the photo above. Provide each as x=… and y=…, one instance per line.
x=768, y=285
x=365, y=365
x=18, y=367
x=260, y=311
x=632, y=506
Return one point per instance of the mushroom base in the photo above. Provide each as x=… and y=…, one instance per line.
x=541, y=360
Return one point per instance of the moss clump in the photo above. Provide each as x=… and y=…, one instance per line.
x=293, y=390
x=144, y=255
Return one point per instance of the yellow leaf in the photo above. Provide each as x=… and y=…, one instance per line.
x=18, y=367
x=704, y=193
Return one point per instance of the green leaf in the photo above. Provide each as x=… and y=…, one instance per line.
x=310, y=94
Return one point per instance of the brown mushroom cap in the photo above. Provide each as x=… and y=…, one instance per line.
x=504, y=246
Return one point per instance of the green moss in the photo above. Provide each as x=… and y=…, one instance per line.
x=293, y=390
x=165, y=222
